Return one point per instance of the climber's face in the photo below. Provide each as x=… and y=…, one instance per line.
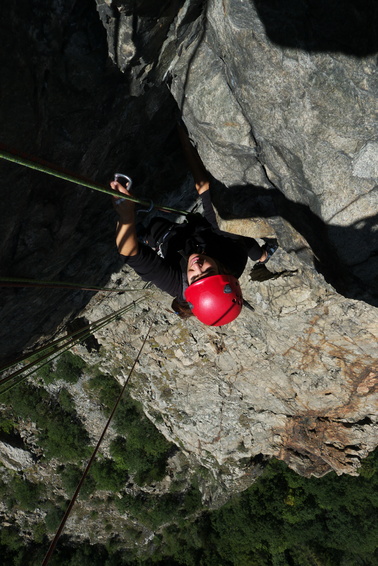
x=199, y=266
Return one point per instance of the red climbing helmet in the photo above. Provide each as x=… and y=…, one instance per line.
x=215, y=300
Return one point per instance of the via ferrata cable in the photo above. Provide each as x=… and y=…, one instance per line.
x=85, y=473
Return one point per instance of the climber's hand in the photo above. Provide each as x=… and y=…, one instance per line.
x=116, y=186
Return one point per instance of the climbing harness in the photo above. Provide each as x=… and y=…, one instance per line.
x=91, y=460
x=49, y=352
x=159, y=249
x=45, y=167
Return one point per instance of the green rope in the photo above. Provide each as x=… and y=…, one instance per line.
x=50, y=345
x=20, y=375
x=48, y=355
x=49, y=169
x=22, y=282
x=91, y=327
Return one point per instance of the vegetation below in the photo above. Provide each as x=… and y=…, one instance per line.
x=61, y=433
x=139, y=450
x=282, y=520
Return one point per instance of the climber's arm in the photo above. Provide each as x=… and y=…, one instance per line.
x=126, y=238
x=200, y=175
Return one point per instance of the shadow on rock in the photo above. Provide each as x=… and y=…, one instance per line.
x=347, y=256
x=348, y=27
x=262, y=273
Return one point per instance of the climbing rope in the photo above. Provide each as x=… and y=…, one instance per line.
x=85, y=473
x=49, y=169
x=90, y=328
x=78, y=336
x=22, y=282
x=46, y=348
x=49, y=352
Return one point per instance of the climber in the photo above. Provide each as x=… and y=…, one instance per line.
x=195, y=261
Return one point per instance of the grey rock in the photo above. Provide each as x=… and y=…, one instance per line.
x=281, y=103
x=63, y=101
x=284, y=116
x=365, y=164
x=296, y=378
x=281, y=100
x=301, y=121
x=15, y=458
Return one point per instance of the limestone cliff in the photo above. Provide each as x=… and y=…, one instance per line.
x=281, y=104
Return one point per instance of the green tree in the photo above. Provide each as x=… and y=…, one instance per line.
x=69, y=367
x=54, y=513
x=66, y=401
x=140, y=449
x=45, y=372
x=26, y=493
x=61, y=433
x=106, y=389
x=107, y=475
x=71, y=476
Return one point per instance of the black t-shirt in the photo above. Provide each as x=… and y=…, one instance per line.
x=191, y=237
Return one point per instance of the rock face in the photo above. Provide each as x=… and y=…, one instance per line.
x=281, y=103
x=276, y=97
x=63, y=101
x=15, y=458
x=296, y=378
x=280, y=100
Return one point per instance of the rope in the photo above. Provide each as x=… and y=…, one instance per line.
x=49, y=355
x=22, y=282
x=50, y=345
x=85, y=473
x=91, y=327
x=49, y=169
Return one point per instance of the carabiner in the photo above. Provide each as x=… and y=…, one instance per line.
x=128, y=180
